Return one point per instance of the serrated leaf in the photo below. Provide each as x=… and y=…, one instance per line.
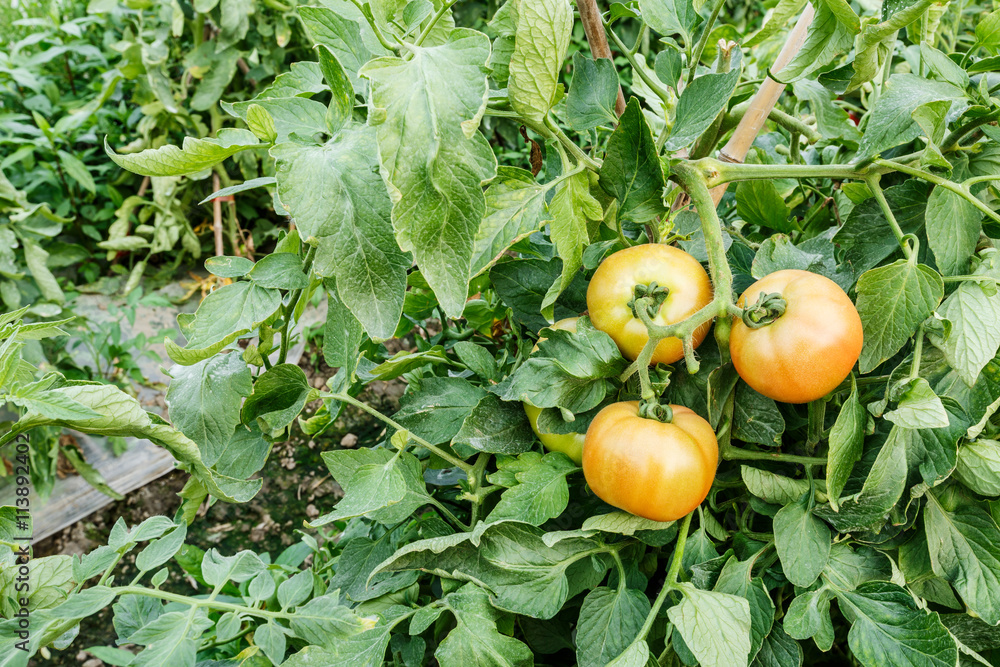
x=193, y=155
x=892, y=301
x=540, y=43
x=715, y=626
x=592, y=94
x=802, y=542
x=438, y=200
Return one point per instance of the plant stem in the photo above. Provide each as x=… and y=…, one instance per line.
x=367, y=13
x=918, y=350
x=883, y=203
x=434, y=19
x=671, y=581
x=960, y=189
x=970, y=279
x=293, y=302
x=717, y=172
x=455, y=461
x=641, y=71
x=957, y=134
x=731, y=453
x=452, y=519
x=817, y=417
x=571, y=146
x=703, y=40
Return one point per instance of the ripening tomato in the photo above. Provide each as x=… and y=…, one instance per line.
x=808, y=350
x=570, y=444
x=654, y=470
x=612, y=288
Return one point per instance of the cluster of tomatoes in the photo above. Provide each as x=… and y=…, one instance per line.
x=664, y=470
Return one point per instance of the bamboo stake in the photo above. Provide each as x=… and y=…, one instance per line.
x=763, y=102
x=590, y=15
x=217, y=216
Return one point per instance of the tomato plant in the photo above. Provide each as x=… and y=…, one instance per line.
x=450, y=184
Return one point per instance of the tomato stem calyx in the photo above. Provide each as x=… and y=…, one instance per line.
x=767, y=309
x=656, y=411
x=649, y=297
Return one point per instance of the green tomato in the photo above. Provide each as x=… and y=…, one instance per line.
x=570, y=444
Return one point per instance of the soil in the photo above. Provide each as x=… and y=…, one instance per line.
x=297, y=487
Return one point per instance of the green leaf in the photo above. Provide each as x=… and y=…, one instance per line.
x=475, y=638
x=593, y=93
x=279, y=394
x=343, y=36
x=808, y=617
x=670, y=17
x=496, y=427
x=847, y=438
x=892, y=301
x=193, y=155
x=323, y=621
x=204, y=401
x=437, y=412
x=736, y=579
x=334, y=192
x=342, y=93
x=831, y=120
x=964, y=547
x=609, y=620
x=774, y=488
x=524, y=574
x=953, y=229
x=978, y=467
x=701, y=102
x=543, y=33
x=802, y=542
x=569, y=371
x=432, y=105
x=541, y=492
x=631, y=172
x=477, y=359
x=830, y=34
x=358, y=560
x=84, y=603
x=759, y=203
x=919, y=407
x=260, y=121
x=882, y=488
x=715, y=626
x=891, y=123
x=377, y=483
x=668, y=67
x=279, y=270
x=342, y=333
x=239, y=307
x=756, y=418
x=504, y=25
x=779, y=650
x=889, y=629
x=515, y=208
x=78, y=171
x=988, y=30
x=226, y=266
x=162, y=550
x=571, y=206
x=37, y=258
x=623, y=523
x=778, y=19
x=974, y=313
x=522, y=284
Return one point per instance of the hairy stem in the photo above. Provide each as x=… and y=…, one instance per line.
x=671, y=581
x=455, y=461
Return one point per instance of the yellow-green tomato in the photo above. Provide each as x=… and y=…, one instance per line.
x=612, y=289
x=570, y=444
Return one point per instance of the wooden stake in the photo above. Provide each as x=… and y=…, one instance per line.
x=217, y=216
x=590, y=15
x=763, y=102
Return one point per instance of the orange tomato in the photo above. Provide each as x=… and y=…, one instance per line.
x=654, y=470
x=809, y=350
